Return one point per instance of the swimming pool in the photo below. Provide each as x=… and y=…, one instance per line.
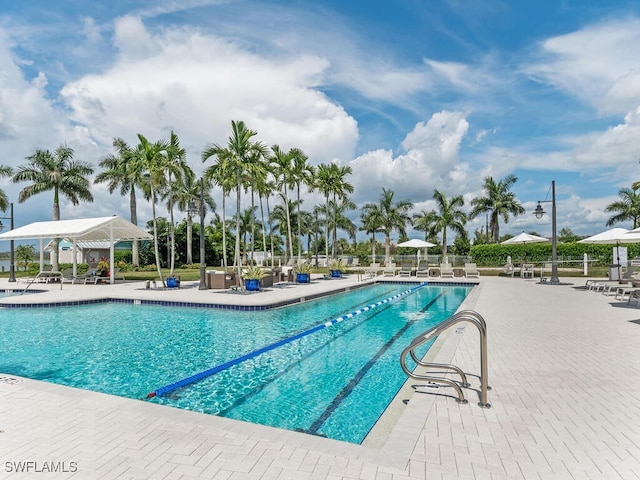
x=335, y=382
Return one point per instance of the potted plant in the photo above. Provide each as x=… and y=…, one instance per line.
x=252, y=277
x=303, y=272
x=102, y=268
x=335, y=267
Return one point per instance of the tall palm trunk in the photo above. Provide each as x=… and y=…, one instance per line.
x=299, y=242
x=326, y=230
x=55, y=245
x=155, y=235
x=387, y=248
x=190, y=239
x=286, y=203
x=224, y=230
x=335, y=229
x=173, y=240
x=135, y=246
x=238, y=261
x=270, y=230
x=373, y=246
x=264, y=233
x=253, y=228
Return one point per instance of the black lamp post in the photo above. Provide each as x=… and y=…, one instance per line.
x=539, y=212
x=200, y=210
x=12, y=266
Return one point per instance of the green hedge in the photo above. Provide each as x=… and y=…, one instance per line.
x=496, y=254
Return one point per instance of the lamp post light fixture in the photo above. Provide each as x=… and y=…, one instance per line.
x=200, y=210
x=12, y=256
x=539, y=212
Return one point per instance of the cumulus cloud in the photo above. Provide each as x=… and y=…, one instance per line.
x=430, y=160
x=196, y=83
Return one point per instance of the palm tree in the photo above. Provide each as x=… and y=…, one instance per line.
x=186, y=193
x=627, y=208
x=56, y=171
x=4, y=200
x=123, y=172
x=302, y=173
x=331, y=181
x=499, y=201
x=448, y=215
x=281, y=215
x=391, y=216
x=371, y=218
x=424, y=221
x=240, y=152
x=282, y=171
x=155, y=165
x=247, y=226
x=265, y=190
x=176, y=168
x=221, y=173
x=340, y=220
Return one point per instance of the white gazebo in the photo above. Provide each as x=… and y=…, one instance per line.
x=101, y=229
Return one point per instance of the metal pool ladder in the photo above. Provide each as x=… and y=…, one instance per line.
x=463, y=316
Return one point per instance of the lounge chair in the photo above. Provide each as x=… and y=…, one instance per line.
x=446, y=270
x=629, y=275
x=48, y=276
x=389, y=270
x=68, y=277
x=422, y=270
x=371, y=271
x=406, y=269
x=471, y=270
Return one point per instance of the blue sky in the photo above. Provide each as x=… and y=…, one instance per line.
x=412, y=94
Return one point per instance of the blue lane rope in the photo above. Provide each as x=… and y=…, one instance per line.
x=224, y=366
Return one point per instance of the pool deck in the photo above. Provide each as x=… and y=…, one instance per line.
x=564, y=367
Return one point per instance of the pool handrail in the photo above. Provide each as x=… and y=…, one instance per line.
x=463, y=316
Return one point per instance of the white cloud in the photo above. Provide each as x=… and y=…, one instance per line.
x=430, y=161
x=597, y=64
x=196, y=84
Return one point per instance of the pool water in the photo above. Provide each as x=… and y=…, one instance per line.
x=335, y=382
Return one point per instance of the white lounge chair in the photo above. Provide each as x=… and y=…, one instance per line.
x=422, y=270
x=471, y=270
x=406, y=269
x=389, y=270
x=446, y=270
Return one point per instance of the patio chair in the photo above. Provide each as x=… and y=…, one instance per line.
x=446, y=270
x=372, y=270
x=67, y=276
x=471, y=270
x=406, y=269
x=389, y=270
x=526, y=271
x=422, y=270
x=509, y=269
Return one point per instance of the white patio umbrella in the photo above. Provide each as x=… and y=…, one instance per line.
x=524, y=238
x=614, y=236
x=417, y=243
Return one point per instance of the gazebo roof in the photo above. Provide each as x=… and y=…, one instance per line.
x=87, y=229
